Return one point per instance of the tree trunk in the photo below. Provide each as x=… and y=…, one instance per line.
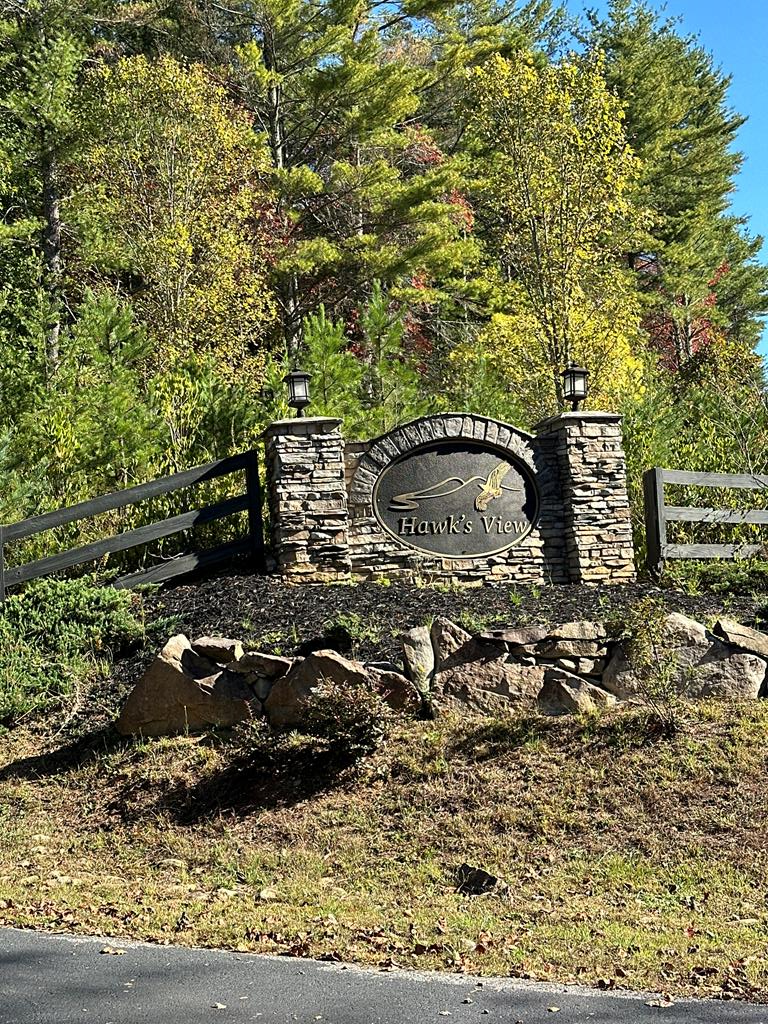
x=290, y=290
x=52, y=255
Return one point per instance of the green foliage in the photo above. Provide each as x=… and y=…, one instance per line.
x=427, y=207
x=363, y=188
x=680, y=124
x=371, y=380
x=641, y=631
x=749, y=577
x=171, y=185
x=352, y=718
x=556, y=181
x=54, y=636
x=351, y=628
x=392, y=385
x=336, y=372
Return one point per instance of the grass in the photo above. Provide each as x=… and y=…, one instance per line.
x=633, y=860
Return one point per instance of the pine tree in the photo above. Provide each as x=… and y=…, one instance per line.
x=363, y=189
x=698, y=266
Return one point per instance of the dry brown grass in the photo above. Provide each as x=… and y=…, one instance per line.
x=632, y=859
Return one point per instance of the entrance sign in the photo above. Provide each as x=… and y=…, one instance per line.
x=457, y=498
x=454, y=496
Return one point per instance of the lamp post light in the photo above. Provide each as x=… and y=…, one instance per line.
x=298, y=390
x=575, y=384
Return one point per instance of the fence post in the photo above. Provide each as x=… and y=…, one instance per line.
x=2, y=565
x=655, y=522
x=255, y=525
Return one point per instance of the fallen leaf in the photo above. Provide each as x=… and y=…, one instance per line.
x=112, y=951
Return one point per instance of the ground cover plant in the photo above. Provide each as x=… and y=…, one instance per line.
x=633, y=855
x=56, y=636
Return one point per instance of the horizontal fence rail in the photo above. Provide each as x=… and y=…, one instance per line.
x=658, y=514
x=249, y=501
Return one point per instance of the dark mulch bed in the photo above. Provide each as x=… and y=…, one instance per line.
x=266, y=612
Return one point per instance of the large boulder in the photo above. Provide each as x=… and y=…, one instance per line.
x=183, y=691
x=751, y=640
x=481, y=677
x=419, y=657
x=399, y=692
x=698, y=664
x=446, y=639
x=565, y=694
x=284, y=705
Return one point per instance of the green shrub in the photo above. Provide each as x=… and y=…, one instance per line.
x=351, y=630
x=353, y=718
x=746, y=576
x=641, y=631
x=56, y=634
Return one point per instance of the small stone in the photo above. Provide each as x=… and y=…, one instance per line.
x=419, y=657
x=218, y=648
x=515, y=639
x=477, y=882
x=581, y=630
x=446, y=639
x=268, y=665
x=569, y=649
x=565, y=694
x=480, y=678
x=400, y=693
x=284, y=705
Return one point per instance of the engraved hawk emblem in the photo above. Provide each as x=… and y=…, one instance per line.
x=491, y=488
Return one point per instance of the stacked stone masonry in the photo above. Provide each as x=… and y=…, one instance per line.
x=307, y=497
x=321, y=501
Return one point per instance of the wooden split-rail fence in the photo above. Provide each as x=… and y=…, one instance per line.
x=249, y=501
x=658, y=514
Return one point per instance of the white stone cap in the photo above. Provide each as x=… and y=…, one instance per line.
x=303, y=425
x=585, y=416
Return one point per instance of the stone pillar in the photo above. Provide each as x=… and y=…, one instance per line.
x=593, y=481
x=307, y=498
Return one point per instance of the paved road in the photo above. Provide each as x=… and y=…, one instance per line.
x=56, y=979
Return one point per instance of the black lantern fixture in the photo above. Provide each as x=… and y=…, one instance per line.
x=298, y=390
x=575, y=384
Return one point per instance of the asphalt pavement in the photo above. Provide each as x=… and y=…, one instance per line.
x=61, y=979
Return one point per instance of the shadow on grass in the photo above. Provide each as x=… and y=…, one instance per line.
x=487, y=739
x=628, y=730
x=271, y=776
x=621, y=730
x=69, y=757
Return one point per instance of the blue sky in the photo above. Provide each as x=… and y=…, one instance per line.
x=736, y=33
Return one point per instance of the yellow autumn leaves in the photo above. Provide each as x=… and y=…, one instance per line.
x=557, y=181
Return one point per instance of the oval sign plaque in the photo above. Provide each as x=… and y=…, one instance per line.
x=457, y=499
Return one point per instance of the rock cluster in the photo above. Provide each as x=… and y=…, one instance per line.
x=215, y=682
x=567, y=668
